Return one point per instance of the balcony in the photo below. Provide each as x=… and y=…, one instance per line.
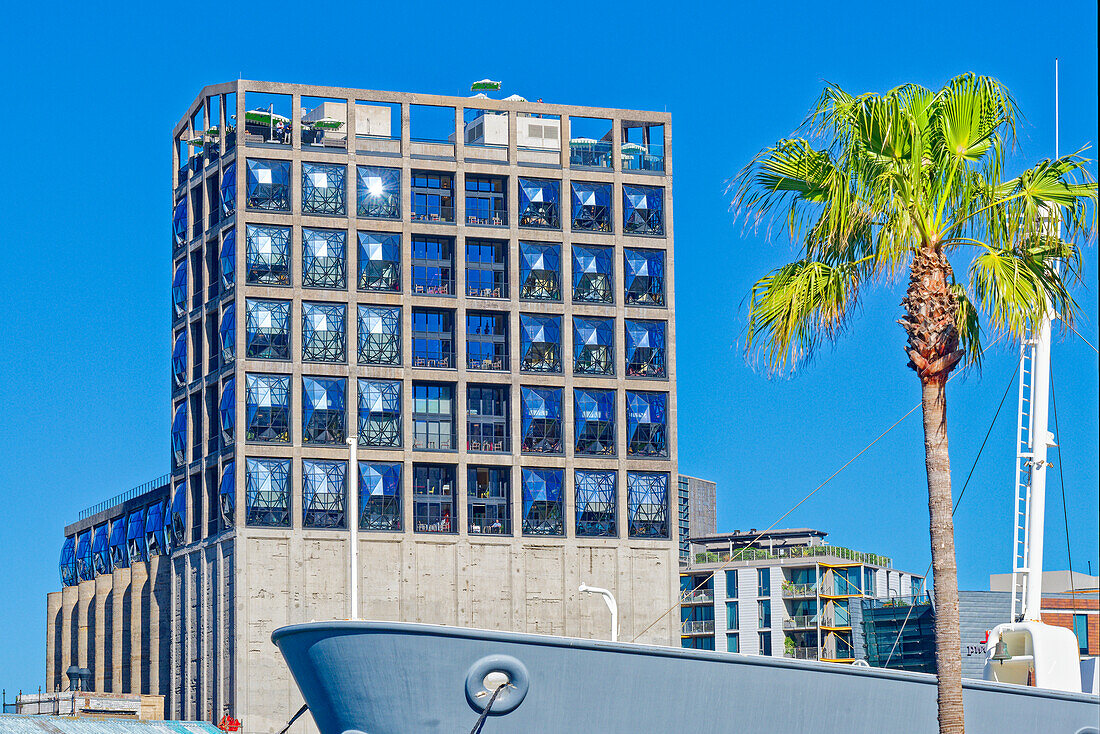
x=800, y=621
x=441, y=214
x=483, y=219
x=801, y=653
x=489, y=445
x=590, y=153
x=796, y=591
x=697, y=627
x=698, y=596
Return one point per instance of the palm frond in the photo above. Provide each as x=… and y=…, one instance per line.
x=969, y=326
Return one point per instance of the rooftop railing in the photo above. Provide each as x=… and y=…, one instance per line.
x=798, y=551
x=126, y=496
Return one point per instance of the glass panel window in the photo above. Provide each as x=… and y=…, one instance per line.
x=592, y=276
x=538, y=203
x=324, y=258
x=731, y=584
x=594, y=411
x=268, y=333
x=644, y=276
x=539, y=271
x=541, y=420
x=487, y=418
x=227, y=410
x=1081, y=630
x=227, y=494
x=542, y=502
x=433, y=338
x=645, y=424
x=733, y=642
x=323, y=410
x=765, y=618
x=323, y=189
x=267, y=408
x=765, y=643
x=540, y=343
x=67, y=565
x=433, y=265
x=179, y=359
x=596, y=503
x=486, y=268
x=379, y=413
x=432, y=197
x=101, y=559
x=324, y=331
x=764, y=582
x=324, y=494
x=591, y=207
x=156, y=539
x=268, y=185
x=486, y=340
x=593, y=346
x=228, y=259
x=433, y=498
x=489, y=500
x=378, y=193
x=177, y=519
x=179, y=435
x=120, y=552
x=379, y=262
x=433, y=417
x=267, y=492
x=267, y=255
x=379, y=496
x=379, y=335
x=228, y=191
x=135, y=536
x=179, y=223
x=732, y=621
x=643, y=210
x=227, y=334
x=486, y=200
x=645, y=349
x=179, y=289
x=647, y=504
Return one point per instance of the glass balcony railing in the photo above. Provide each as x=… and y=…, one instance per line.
x=697, y=627
x=698, y=596
x=797, y=590
x=800, y=621
x=801, y=653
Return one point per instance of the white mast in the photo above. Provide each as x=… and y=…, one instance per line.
x=353, y=525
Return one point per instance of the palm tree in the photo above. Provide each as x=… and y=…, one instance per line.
x=912, y=179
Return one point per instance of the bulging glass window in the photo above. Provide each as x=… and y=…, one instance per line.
x=594, y=413
x=229, y=190
x=542, y=502
x=380, y=413
x=267, y=408
x=379, y=262
x=647, y=504
x=177, y=518
x=593, y=346
x=156, y=542
x=179, y=360
x=227, y=334
x=67, y=564
x=644, y=277
x=267, y=492
x=227, y=410
x=228, y=259
x=379, y=335
x=596, y=503
x=324, y=258
x=101, y=557
x=179, y=435
x=538, y=203
x=269, y=185
x=324, y=494
x=135, y=536
x=323, y=410
x=591, y=207
x=323, y=189
x=268, y=333
x=120, y=554
x=645, y=349
x=227, y=494
x=540, y=420
x=539, y=271
x=643, y=210
x=645, y=424
x=179, y=289
x=267, y=256
x=324, y=331
x=179, y=223
x=592, y=276
x=540, y=343
x=379, y=495
x=85, y=570
x=378, y=192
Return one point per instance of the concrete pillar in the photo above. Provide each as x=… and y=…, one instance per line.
x=85, y=599
x=139, y=587
x=103, y=631
x=153, y=602
x=120, y=626
x=55, y=641
x=69, y=598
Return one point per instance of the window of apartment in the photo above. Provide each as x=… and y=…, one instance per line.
x=433, y=338
x=197, y=223
x=267, y=492
x=489, y=500
x=433, y=498
x=592, y=276
x=379, y=335
x=486, y=268
x=227, y=259
x=540, y=420
x=486, y=200
x=196, y=279
x=179, y=359
x=733, y=642
x=378, y=192
x=432, y=196
x=647, y=504
x=324, y=189
x=179, y=223
x=379, y=262
x=433, y=416
x=267, y=334
x=268, y=185
x=324, y=494
x=380, y=492
x=594, y=414
x=324, y=332
x=539, y=203
x=593, y=346
x=645, y=424
x=227, y=194
x=732, y=621
x=868, y=581
x=764, y=582
x=433, y=265
x=765, y=643
x=643, y=210
x=765, y=618
x=487, y=418
x=227, y=496
x=227, y=415
x=542, y=502
x=644, y=277
x=731, y=584
x=1081, y=629
x=486, y=340
x=324, y=419
x=213, y=268
x=591, y=207
x=267, y=408
x=379, y=413
x=539, y=271
x=227, y=334
x=645, y=349
x=540, y=343
x=324, y=258
x=596, y=503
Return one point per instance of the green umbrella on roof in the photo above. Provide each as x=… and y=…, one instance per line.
x=264, y=117
x=327, y=123
x=485, y=85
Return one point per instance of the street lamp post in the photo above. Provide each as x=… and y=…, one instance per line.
x=609, y=599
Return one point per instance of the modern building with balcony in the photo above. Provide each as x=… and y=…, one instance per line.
x=781, y=592
x=478, y=293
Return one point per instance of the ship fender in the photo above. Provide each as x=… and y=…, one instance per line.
x=490, y=673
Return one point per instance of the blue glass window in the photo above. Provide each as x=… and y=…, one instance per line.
x=592, y=275
x=378, y=192
x=67, y=564
x=268, y=333
x=120, y=554
x=541, y=420
x=645, y=349
x=379, y=335
x=594, y=413
x=539, y=271
x=379, y=262
x=179, y=435
x=85, y=571
x=179, y=223
x=267, y=492
x=177, y=518
x=227, y=333
x=591, y=207
x=324, y=494
x=179, y=359
x=486, y=340
x=643, y=210
x=433, y=498
x=644, y=277
x=267, y=254
x=179, y=288
x=267, y=408
x=593, y=346
x=229, y=190
x=433, y=263
x=269, y=185
x=433, y=416
x=379, y=413
x=540, y=343
x=324, y=258
x=323, y=410
x=489, y=500
x=432, y=196
x=135, y=536
x=647, y=504
x=155, y=540
x=486, y=268
x=596, y=503
x=323, y=188
x=324, y=330
x=538, y=203
x=379, y=496
x=227, y=410
x=433, y=338
x=542, y=502
x=227, y=494
x=228, y=259
x=645, y=424
x=101, y=556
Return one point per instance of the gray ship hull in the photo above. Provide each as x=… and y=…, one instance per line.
x=388, y=677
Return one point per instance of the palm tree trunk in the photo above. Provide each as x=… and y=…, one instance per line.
x=944, y=571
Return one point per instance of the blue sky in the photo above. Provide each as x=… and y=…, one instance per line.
x=91, y=97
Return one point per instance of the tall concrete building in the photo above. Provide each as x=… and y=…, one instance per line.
x=480, y=293
x=697, y=505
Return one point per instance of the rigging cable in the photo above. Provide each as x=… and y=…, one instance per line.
x=1062, y=483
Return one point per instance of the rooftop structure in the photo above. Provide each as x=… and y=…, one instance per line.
x=698, y=511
